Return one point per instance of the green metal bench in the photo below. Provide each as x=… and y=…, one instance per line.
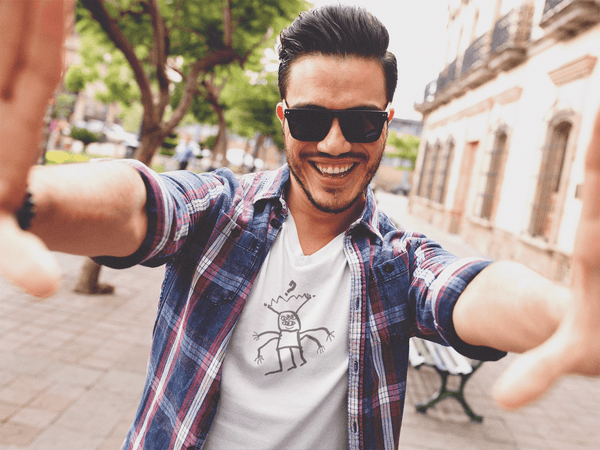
x=446, y=361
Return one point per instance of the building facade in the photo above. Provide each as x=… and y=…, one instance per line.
x=506, y=127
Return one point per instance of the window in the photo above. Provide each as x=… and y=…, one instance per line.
x=549, y=180
x=424, y=169
x=434, y=157
x=443, y=173
x=493, y=176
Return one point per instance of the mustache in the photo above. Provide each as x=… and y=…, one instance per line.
x=334, y=158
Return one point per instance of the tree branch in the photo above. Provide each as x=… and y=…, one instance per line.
x=243, y=59
x=111, y=28
x=227, y=24
x=221, y=56
x=160, y=56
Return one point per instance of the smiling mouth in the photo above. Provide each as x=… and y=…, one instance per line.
x=334, y=171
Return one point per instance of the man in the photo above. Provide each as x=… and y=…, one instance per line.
x=185, y=151
x=289, y=299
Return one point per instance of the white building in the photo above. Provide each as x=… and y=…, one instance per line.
x=506, y=127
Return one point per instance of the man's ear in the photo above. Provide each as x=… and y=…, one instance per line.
x=391, y=115
x=279, y=111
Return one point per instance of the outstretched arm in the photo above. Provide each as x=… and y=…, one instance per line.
x=89, y=209
x=86, y=209
x=511, y=308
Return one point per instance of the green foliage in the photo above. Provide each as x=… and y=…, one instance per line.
x=131, y=117
x=96, y=51
x=119, y=81
x=85, y=136
x=210, y=141
x=407, y=148
x=64, y=105
x=77, y=77
x=168, y=146
x=193, y=30
x=251, y=100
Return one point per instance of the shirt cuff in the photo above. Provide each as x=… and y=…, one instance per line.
x=153, y=206
x=449, y=285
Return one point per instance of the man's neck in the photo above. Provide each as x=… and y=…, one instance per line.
x=317, y=228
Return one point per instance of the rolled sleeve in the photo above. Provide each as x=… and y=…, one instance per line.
x=446, y=290
x=159, y=211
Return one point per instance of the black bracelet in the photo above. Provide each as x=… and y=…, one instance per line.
x=26, y=212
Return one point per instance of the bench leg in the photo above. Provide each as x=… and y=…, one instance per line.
x=443, y=392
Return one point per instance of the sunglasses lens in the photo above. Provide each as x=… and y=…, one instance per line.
x=362, y=126
x=309, y=125
x=313, y=125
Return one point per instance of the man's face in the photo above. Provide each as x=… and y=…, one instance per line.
x=333, y=174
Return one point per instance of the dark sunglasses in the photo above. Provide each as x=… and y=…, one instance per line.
x=313, y=124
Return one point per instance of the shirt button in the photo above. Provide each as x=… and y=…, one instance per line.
x=356, y=366
x=275, y=223
x=236, y=232
x=355, y=427
x=388, y=268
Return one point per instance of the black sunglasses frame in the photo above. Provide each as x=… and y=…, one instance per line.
x=318, y=121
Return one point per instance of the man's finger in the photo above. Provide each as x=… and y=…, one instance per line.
x=36, y=72
x=13, y=31
x=25, y=260
x=529, y=377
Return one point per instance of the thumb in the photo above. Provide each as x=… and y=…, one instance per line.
x=26, y=261
x=530, y=376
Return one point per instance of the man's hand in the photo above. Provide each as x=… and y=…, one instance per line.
x=32, y=34
x=575, y=346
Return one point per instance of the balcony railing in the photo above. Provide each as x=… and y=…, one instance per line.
x=566, y=18
x=475, y=55
x=501, y=48
x=447, y=77
x=430, y=91
x=512, y=30
x=552, y=5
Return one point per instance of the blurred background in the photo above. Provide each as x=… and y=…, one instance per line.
x=494, y=111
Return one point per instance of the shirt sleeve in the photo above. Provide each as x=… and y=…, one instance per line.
x=177, y=205
x=438, y=281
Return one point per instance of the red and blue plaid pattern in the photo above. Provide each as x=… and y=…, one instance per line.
x=213, y=231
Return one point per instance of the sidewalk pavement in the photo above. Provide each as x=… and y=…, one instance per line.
x=72, y=369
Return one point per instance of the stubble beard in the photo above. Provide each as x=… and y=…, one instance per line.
x=292, y=162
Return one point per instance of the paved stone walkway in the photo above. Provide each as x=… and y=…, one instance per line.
x=72, y=369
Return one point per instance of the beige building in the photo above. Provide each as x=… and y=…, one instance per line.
x=506, y=127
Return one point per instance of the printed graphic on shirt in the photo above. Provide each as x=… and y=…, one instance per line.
x=290, y=337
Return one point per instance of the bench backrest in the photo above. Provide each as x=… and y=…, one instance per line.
x=444, y=358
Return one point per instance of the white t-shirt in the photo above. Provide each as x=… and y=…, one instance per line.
x=285, y=382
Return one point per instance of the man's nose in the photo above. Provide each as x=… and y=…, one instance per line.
x=334, y=143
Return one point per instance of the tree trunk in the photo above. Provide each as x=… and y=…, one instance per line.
x=221, y=140
x=88, y=280
x=260, y=141
x=149, y=143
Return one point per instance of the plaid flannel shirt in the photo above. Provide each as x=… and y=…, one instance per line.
x=213, y=231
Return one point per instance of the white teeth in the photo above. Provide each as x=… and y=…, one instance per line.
x=334, y=170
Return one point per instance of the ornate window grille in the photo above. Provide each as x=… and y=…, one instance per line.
x=493, y=176
x=548, y=185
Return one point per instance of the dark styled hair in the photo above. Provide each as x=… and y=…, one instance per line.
x=337, y=30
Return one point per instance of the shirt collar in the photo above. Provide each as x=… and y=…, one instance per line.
x=369, y=217
x=273, y=187
x=273, y=184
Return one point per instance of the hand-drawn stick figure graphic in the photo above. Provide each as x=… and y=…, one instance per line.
x=290, y=335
